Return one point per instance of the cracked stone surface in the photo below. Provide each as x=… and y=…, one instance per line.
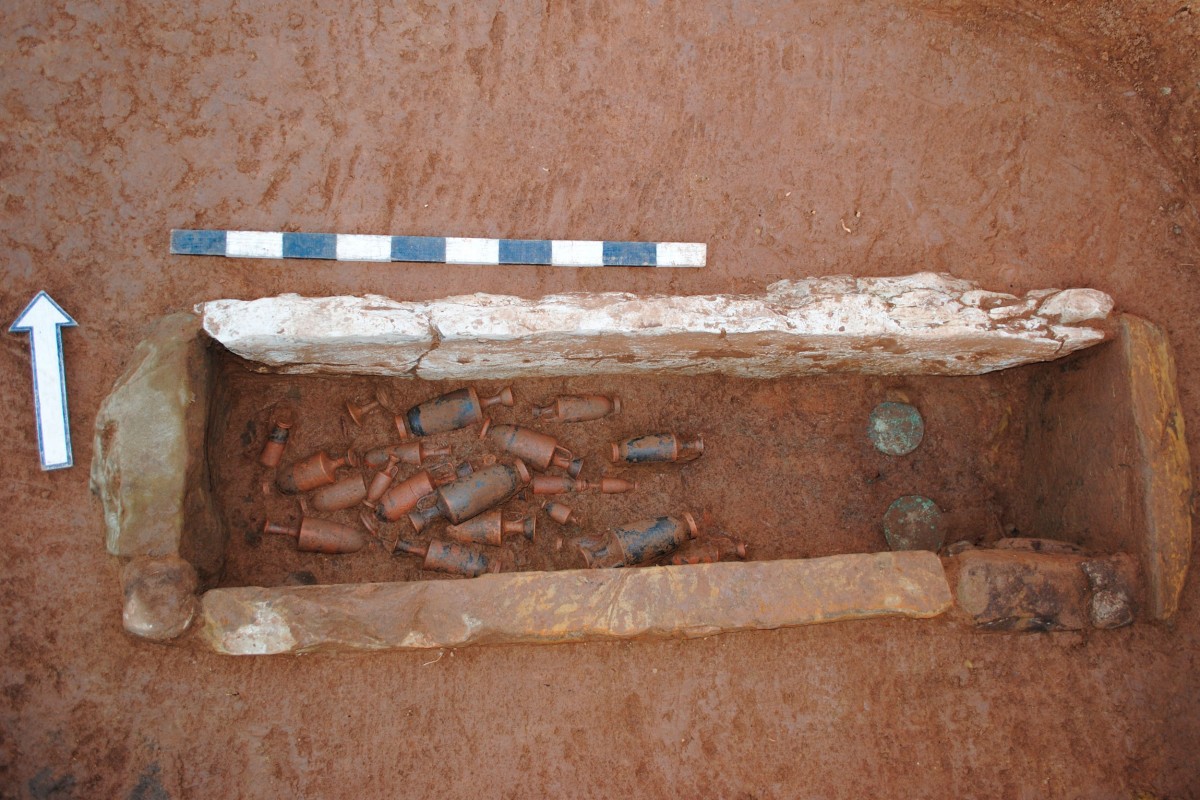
x=579, y=605
x=920, y=324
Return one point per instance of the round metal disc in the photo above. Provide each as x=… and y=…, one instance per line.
x=896, y=428
x=913, y=522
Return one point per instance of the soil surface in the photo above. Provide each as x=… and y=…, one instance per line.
x=1019, y=145
x=787, y=465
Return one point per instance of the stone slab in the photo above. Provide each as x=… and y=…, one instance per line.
x=924, y=323
x=1021, y=590
x=1109, y=468
x=569, y=606
x=148, y=466
x=369, y=335
x=1164, y=466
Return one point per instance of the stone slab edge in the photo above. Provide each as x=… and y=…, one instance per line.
x=572, y=606
x=150, y=472
x=148, y=463
x=1165, y=474
x=922, y=323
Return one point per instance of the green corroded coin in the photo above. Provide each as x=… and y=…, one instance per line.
x=896, y=428
x=913, y=522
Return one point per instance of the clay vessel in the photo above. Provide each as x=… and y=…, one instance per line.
x=404, y=496
x=539, y=450
x=638, y=542
x=449, y=412
x=491, y=528
x=467, y=497
x=578, y=408
x=457, y=559
x=614, y=485
x=281, y=429
x=358, y=412
x=558, y=484
x=657, y=448
x=382, y=481
x=415, y=453
x=321, y=536
x=563, y=515
x=347, y=492
x=708, y=551
x=313, y=472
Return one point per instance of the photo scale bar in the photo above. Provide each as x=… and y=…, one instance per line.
x=437, y=249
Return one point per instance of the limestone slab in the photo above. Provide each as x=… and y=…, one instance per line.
x=369, y=335
x=581, y=605
x=917, y=324
x=148, y=466
x=924, y=323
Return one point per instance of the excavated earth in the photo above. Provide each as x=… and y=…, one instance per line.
x=1019, y=145
x=788, y=467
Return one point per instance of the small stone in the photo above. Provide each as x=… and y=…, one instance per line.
x=1110, y=609
x=1072, y=306
x=160, y=596
x=1112, y=581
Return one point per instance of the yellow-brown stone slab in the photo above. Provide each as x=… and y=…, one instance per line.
x=1165, y=466
x=578, y=605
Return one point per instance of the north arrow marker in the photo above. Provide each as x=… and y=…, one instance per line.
x=44, y=320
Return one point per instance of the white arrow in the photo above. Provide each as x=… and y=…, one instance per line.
x=44, y=320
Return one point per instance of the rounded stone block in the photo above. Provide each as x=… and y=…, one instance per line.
x=160, y=597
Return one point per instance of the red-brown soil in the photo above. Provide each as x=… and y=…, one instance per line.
x=787, y=466
x=1022, y=146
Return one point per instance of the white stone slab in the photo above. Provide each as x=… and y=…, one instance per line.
x=914, y=324
x=370, y=335
x=923, y=323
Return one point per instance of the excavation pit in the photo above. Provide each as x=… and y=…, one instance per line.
x=1085, y=450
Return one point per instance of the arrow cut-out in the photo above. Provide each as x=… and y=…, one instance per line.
x=44, y=319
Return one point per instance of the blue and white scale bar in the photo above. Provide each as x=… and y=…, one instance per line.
x=437, y=249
